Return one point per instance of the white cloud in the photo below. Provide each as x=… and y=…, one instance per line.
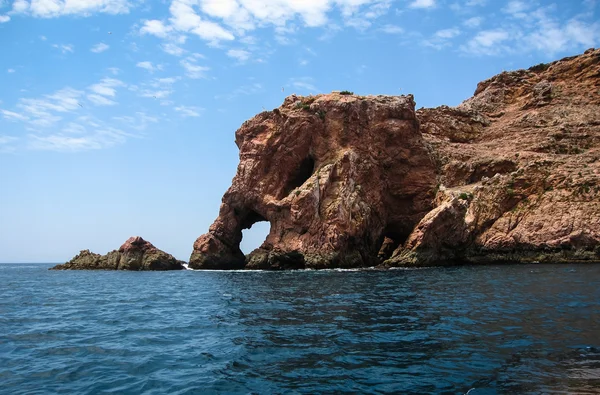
x=529, y=29
x=43, y=38
x=100, y=100
x=553, y=38
x=44, y=111
x=114, y=70
x=6, y=139
x=55, y=123
x=157, y=94
x=473, y=22
x=146, y=65
x=14, y=116
x=104, y=91
x=447, y=33
x=239, y=54
x=4, y=18
x=472, y=3
x=304, y=84
x=216, y=21
x=212, y=32
x=89, y=138
x=140, y=121
x=193, y=70
x=173, y=49
x=392, y=29
x=10, y=70
x=517, y=8
x=442, y=38
x=57, y=8
x=156, y=28
x=100, y=47
x=422, y=4
x=158, y=88
x=186, y=111
x=64, y=48
x=486, y=42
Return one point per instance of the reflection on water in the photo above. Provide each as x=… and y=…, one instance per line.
x=481, y=330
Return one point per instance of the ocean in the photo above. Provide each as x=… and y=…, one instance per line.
x=514, y=329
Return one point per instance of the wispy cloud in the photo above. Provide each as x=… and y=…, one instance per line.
x=6, y=146
x=392, y=29
x=158, y=88
x=57, y=8
x=487, y=42
x=4, y=18
x=139, y=121
x=104, y=91
x=100, y=47
x=173, y=49
x=473, y=22
x=47, y=110
x=442, y=38
x=244, y=90
x=192, y=69
x=64, y=48
x=529, y=28
x=146, y=65
x=422, y=4
x=63, y=121
x=10, y=71
x=239, y=54
x=189, y=111
x=218, y=21
x=305, y=84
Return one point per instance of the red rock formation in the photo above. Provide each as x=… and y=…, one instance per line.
x=333, y=174
x=135, y=254
x=511, y=174
x=519, y=170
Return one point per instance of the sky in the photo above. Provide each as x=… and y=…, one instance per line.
x=117, y=117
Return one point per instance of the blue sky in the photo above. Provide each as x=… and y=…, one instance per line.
x=117, y=117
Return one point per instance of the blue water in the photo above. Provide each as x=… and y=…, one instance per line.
x=487, y=330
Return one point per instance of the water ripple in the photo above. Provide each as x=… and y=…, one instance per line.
x=481, y=330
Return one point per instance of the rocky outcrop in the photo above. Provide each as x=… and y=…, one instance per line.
x=333, y=174
x=135, y=254
x=519, y=170
x=510, y=175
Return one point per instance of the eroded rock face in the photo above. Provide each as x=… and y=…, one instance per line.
x=333, y=174
x=510, y=175
x=519, y=170
x=135, y=254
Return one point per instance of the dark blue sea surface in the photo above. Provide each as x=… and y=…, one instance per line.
x=477, y=330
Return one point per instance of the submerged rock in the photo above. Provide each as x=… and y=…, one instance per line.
x=510, y=175
x=135, y=254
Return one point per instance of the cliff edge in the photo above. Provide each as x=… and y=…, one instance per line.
x=510, y=175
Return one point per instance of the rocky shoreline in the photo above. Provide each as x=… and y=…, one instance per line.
x=347, y=181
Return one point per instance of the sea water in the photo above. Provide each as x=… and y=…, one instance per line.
x=477, y=330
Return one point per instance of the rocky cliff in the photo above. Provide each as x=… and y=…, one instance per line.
x=511, y=174
x=135, y=254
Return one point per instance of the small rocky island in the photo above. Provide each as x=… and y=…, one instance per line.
x=135, y=254
x=510, y=175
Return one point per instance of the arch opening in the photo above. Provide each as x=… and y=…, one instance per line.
x=254, y=236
